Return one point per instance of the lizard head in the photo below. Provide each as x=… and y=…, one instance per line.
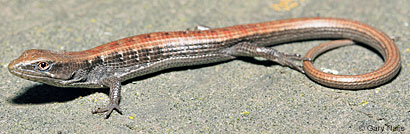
x=42, y=66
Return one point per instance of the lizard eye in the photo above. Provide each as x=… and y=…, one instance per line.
x=43, y=65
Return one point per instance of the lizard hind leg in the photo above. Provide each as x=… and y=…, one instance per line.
x=198, y=28
x=249, y=49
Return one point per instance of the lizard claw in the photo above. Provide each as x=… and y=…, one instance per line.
x=108, y=110
x=307, y=59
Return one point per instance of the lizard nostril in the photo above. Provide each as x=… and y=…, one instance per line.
x=12, y=65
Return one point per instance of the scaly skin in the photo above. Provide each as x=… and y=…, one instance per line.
x=108, y=65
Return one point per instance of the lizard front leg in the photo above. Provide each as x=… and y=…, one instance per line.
x=115, y=94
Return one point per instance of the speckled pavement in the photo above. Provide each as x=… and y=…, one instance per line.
x=241, y=96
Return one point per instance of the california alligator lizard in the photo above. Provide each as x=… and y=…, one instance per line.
x=108, y=65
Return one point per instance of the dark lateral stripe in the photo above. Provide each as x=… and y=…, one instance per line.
x=132, y=57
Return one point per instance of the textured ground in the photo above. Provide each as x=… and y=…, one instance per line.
x=240, y=96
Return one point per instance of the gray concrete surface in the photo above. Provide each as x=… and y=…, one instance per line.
x=241, y=96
